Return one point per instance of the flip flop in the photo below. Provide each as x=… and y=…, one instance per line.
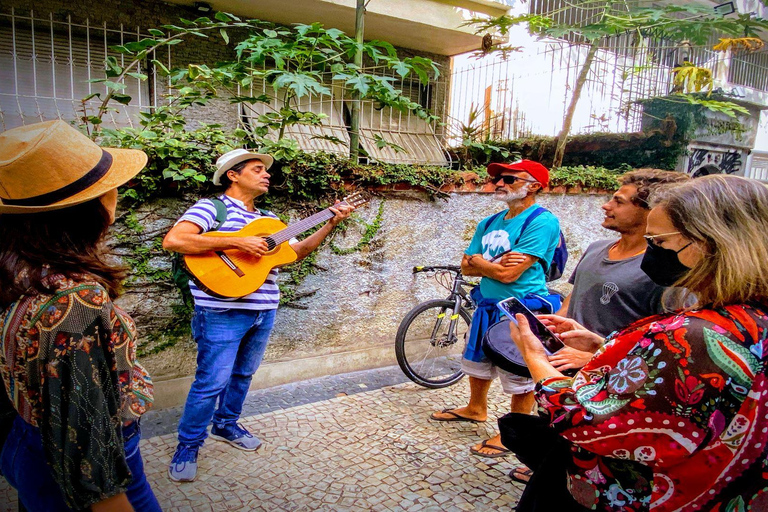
x=456, y=417
x=521, y=474
x=502, y=452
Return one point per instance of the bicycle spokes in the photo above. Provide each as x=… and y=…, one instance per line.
x=428, y=345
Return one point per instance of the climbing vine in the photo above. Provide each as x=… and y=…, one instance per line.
x=369, y=233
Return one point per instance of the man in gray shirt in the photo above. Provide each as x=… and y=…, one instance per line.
x=610, y=291
x=609, y=294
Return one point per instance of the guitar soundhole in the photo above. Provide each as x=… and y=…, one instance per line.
x=270, y=243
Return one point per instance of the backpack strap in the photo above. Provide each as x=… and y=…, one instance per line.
x=535, y=213
x=493, y=218
x=221, y=213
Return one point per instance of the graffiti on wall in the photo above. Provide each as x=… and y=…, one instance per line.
x=709, y=161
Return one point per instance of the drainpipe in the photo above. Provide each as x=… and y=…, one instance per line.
x=354, y=136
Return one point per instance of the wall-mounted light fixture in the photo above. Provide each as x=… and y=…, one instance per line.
x=203, y=7
x=725, y=9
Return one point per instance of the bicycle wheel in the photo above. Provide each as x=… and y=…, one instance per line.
x=428, y=350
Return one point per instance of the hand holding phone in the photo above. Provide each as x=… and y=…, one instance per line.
x=512, y=306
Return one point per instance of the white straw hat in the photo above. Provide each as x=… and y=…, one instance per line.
x=228, y=160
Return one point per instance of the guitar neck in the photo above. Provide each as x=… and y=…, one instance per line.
x=303, y=225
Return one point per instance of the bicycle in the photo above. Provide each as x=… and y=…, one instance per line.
x=427, y=347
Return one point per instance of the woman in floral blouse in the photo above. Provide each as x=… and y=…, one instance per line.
x=672, y=412
x=67, y=353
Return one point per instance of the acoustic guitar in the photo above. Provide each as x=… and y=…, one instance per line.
x=234, y=273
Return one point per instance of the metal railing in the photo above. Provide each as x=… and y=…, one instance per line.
x=529, y=91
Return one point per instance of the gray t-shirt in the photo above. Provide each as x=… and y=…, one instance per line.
x=611, y=294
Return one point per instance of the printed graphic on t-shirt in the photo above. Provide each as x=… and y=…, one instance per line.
x=609, y=290
x=495, y=243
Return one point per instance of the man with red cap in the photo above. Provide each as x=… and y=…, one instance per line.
x=510, y=251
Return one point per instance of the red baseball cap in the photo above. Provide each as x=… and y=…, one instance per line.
x=535, y=169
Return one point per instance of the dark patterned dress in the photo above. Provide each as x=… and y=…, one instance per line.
x=672, y=414
x=68, y=361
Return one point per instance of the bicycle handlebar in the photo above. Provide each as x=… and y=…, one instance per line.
x=432, y=268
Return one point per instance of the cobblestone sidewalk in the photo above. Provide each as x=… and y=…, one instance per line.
x=374, y=450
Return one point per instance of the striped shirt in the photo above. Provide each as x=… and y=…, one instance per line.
x=203, y=214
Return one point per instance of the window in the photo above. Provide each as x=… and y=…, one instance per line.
x=45, y=68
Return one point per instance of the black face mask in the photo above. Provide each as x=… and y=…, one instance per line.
x=663, y=265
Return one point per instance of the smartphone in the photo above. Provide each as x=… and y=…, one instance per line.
x=512, y=306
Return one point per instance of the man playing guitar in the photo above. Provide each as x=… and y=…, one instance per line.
x=231, y=333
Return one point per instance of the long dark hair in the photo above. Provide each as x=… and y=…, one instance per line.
x=67, y=241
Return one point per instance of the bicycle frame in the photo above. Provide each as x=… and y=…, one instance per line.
x=460, y=296
x=439, y=353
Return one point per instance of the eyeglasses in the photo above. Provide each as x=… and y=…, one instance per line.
x=510, y=179
x=651, y=239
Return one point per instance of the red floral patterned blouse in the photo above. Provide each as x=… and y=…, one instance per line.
x=68, y=361
x=672, y=414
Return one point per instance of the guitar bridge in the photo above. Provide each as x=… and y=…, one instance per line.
x=229, y=263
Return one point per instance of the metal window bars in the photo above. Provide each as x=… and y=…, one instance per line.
x=386, y=134
x=46, y=65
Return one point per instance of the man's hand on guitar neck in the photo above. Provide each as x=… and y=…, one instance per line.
x=313, y=241
x=341, y=212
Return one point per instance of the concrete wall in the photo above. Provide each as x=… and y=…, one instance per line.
x=349, y=322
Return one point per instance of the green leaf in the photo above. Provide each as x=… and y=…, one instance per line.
x=113, y=69
x=138, y=76
x=360, y=84
x=270, y=33
x=224, y=35
x=123, y=99
x=401, y=68
x=155, y=32
x=334, y=33
x=115, y=86
x=160, y=67
x=148, y=134
x=225, y=16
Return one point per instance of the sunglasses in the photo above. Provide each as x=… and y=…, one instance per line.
x=510, y=179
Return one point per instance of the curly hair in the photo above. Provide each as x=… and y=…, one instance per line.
x=647, y=180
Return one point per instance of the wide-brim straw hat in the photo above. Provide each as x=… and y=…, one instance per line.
x=49, y=166
x=228, y=160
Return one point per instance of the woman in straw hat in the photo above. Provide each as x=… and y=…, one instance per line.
x=672, y=413
x=67, y=353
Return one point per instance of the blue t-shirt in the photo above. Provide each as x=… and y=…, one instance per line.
x=498, y=236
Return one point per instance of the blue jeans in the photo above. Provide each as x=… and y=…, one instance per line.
x=230, y=346
x=23, y=464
